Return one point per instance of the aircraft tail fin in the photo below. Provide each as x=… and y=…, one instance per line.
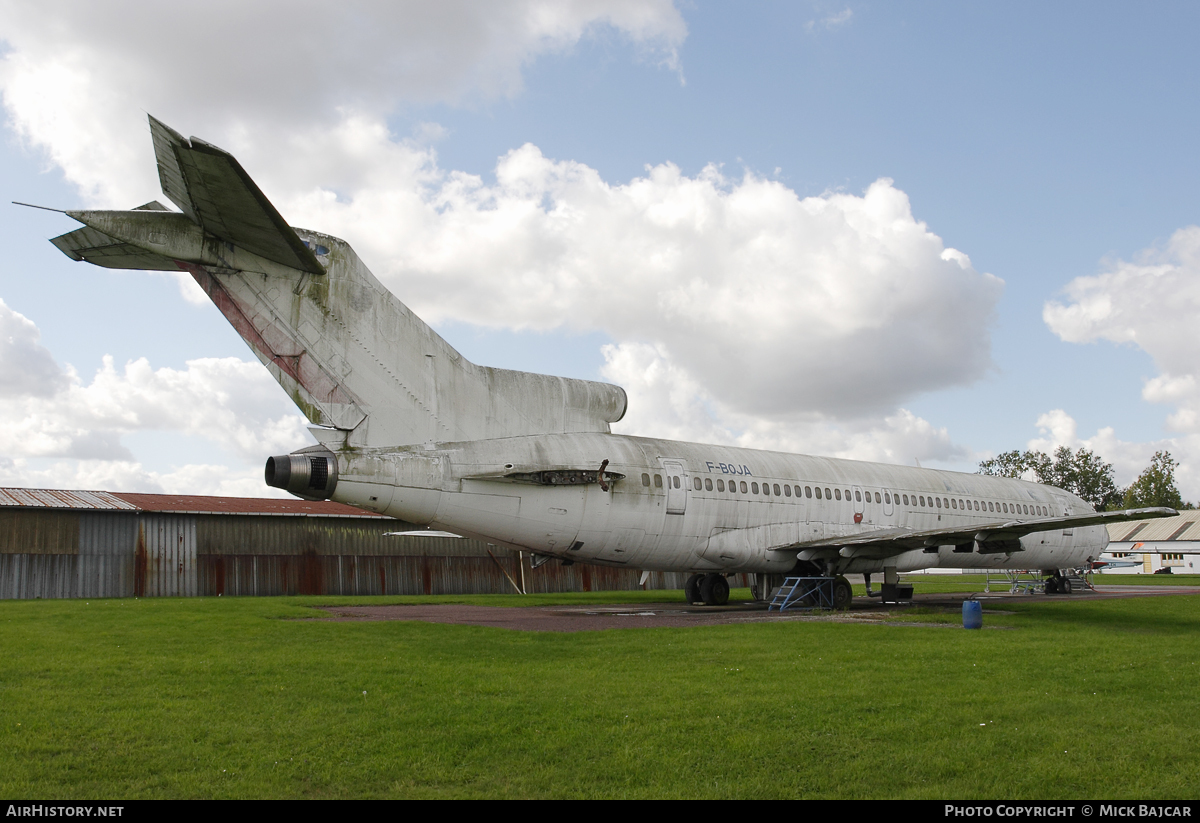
x=210, y=186
x=356, y=359
x=350, y=355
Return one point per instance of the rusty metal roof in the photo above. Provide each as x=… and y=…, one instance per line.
x=60, y=499
x=1185, y=526
x=179, y=503
x=201, y=504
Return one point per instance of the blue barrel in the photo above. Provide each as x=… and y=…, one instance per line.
x=972, y=614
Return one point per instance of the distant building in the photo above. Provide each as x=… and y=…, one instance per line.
x=1150, y=545
x=119, y=544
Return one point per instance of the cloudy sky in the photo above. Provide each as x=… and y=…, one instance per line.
x=888, y=231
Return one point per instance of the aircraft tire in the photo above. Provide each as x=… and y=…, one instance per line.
x=1064, y=586
x=691, y=589
x=714, y=590
x=842, y=593
x=1051, y=586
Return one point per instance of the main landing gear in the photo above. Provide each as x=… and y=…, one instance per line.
x=842, y=593
x=709, y=589
x=1057, y=583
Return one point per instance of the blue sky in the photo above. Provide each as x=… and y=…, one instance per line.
x=1047, y=142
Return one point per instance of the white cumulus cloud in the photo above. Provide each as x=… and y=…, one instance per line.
x=1151, y=302
x=839, y=304
x=26, y=366
x=770, y=318
x=665, y=401
x=78, y=76
x=51, y=414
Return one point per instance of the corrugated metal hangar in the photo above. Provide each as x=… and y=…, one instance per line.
x=116, y=544
x=1168, y=543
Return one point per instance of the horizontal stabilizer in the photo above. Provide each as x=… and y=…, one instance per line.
x=93, y=246
x=213, y=189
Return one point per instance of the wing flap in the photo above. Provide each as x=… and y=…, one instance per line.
x=211, y=187
x=1000, y=532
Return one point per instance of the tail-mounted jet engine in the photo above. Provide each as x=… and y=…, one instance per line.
x=312, y=475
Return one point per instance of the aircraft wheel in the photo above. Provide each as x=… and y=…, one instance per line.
x=842, y=593
x=691, y=589
x=714, y=590
x=1051, y=586
x=1064, y=586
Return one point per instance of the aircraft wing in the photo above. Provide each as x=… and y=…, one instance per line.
x=213, y=189
x=996, y=536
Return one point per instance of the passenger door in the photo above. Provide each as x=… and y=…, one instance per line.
x=858, y=504
x=858, y=500
x=676, y=479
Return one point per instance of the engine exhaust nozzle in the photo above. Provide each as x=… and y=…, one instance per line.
x=308, y=474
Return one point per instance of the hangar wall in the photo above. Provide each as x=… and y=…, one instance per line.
x=130, y=550
x=1170, y=543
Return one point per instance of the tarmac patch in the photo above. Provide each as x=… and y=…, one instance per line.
x=591, y=618
x=682, y=615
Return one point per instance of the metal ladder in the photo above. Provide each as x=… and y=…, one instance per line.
x=803, y=593
x=1079, y=583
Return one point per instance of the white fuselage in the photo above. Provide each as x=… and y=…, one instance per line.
x=692, y=507
x=369, y=374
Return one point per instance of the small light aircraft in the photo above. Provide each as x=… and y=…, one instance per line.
x=408, y=427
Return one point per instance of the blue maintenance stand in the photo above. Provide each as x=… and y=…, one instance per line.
x=804, y=593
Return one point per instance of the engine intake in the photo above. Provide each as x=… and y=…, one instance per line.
x=312, y=475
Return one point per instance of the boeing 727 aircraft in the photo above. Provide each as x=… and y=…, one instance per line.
x=410, y=428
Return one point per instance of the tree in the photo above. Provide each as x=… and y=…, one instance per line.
x=1082, y=473
x=1009, y=464
x=1156, y=485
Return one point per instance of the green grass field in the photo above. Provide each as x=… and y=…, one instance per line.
x=237, y=698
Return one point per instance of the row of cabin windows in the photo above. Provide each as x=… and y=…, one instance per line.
x=918, y=501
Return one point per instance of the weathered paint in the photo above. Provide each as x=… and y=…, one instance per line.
x=349, y=348
x=33, y=531
x=168, y=544
x=61, y=499
x=87, y=553
x=106, y=567
x=467, y=488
